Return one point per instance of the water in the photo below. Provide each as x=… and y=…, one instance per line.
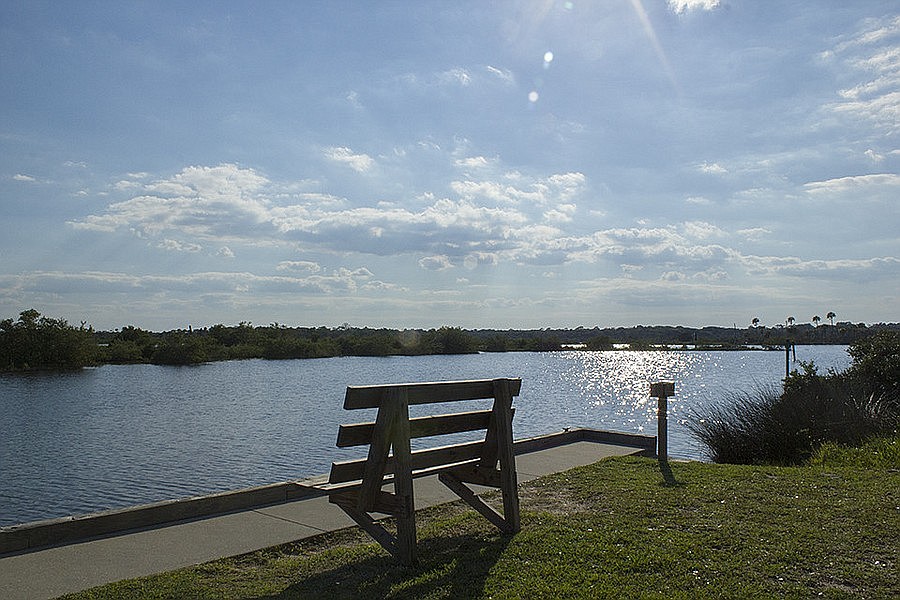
x=117, y=436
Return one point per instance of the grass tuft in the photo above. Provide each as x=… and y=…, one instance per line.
x=875, y=453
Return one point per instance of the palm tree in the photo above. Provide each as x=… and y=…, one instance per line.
x=816, y=320
x=830, y=316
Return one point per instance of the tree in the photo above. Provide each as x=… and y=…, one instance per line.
x=790, y=321
x=35, y=343
x=180, y=349
x=755, y=321
x=816, y=320
x=830, y=316
x=600, y=342
x=449, y=340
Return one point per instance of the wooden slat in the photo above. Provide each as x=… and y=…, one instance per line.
x=360, y=434
x=474, y=474
x=371, y=396
x=393, y=415
x=353, y=470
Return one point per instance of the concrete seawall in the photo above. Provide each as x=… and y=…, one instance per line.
x=27, y=537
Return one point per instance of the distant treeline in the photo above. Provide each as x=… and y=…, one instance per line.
x=35, y=342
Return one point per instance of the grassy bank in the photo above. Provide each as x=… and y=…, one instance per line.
x=618, y=528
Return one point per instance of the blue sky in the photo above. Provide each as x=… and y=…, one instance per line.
x=476, y=164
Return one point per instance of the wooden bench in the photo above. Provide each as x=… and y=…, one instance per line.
x=356, y=485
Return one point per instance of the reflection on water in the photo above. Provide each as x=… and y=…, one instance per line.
x=123, y=435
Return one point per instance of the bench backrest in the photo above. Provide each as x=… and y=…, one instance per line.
x=422, y=461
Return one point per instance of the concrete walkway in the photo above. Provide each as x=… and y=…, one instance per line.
x=50, y=572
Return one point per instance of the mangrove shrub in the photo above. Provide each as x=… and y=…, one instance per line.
x=35, y=342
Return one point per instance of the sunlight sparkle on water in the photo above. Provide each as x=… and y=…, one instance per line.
x=617, y=384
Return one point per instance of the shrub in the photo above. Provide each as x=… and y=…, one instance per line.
x=786, y=428
x=178, y=349
x=34, y=342
x=876, y=365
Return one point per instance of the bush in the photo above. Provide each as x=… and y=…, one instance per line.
x=178, y=349
x=36, y=343
x=876, y=366
x=786, y=428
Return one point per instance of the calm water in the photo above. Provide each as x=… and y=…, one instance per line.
x=117, y=436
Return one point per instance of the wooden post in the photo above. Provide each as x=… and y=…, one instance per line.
x=403, y=485
x=787, y=360
x=506, y=454
x=661, y=390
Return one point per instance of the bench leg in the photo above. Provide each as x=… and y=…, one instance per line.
x=462, y=490
x=370, y=526
x=403, y=484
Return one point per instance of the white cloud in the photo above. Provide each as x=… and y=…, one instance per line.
x=126, y=185
x=873, y=53
x=712, y=168
x=225, y=252
x=436, y=263
x=562, y=213
x=855, y=270
x=874, y=156
x=360, y=163
x=299, y=266
x=754, y=234
x=671, y=276
x=176, y=246
x=352, y=98
x=683, y=6
x=201, y=202
x=21, y=177
x=857, y=183
x=504, y=75
x=472, y=162
x=475, y=259
x=554, y=189
x=342, y=280
x=457, y=75
x=701, y=230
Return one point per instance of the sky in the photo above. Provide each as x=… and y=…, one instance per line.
x=525, y=164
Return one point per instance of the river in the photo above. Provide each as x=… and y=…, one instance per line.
x=116, y=436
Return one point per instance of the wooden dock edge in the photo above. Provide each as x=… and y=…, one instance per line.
x=28, y=537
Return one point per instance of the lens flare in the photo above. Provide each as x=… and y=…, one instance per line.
x=657, y=47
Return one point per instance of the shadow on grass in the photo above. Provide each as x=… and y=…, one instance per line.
x=450, y=567
x=668, y=476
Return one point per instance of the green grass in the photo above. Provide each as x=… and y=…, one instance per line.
x=621, y=528
x=876, y=453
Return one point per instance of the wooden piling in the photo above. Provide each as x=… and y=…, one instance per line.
x=661, y=390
